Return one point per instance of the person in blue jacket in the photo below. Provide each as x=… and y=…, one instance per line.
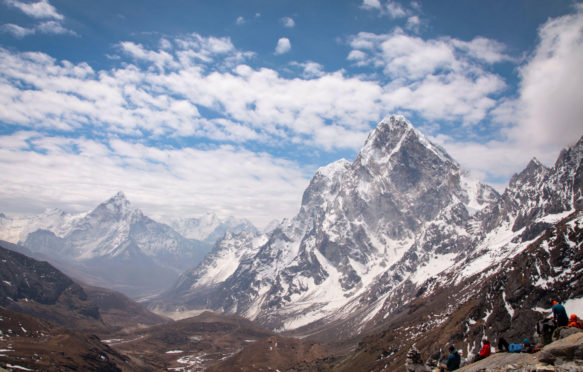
x=560, y=314
x=453, y=359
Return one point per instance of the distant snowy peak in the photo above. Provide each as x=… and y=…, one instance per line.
x=209, y=227
x=116, y=208
x=16, y=229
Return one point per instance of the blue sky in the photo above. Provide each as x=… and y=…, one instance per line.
x=231, y=106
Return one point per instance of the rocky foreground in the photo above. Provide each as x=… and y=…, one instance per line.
x=565, y=354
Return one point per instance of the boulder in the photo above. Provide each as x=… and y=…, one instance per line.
x=564, y=332
x=502, y=362
x=414, y=362
x=565, y=350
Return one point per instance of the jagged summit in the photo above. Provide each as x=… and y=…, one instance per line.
x=117, y=204
x=533, y=169
x=389, y=137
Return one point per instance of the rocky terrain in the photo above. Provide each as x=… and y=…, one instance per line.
x=505, y=304
x=189, y=344
x=30, y=344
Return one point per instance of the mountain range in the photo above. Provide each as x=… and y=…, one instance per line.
x=374, y=234
x=116, y=246
x=398, y=250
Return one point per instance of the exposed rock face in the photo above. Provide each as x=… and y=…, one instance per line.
x=414, y=362
x=505, y=300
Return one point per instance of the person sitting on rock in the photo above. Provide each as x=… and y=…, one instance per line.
x=574, y=321
x=560, y=314
x=453, y=361
x=502, y=345
x=486, y=350
x=527, y=347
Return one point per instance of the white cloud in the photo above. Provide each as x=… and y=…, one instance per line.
x=395, y=10
x=283, y=46
x=80, y=173
x=288, y=22
x=481, y=48
x=16, y=30
x=413, y=23
x=546, y=114
x=549, y=105
x=240, y=20
x=439, y=79
x=371, y=4
x=163, y=93
x=389, y=8
x=310, y=69
x=41, y=9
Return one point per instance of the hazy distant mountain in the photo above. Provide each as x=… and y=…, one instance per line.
x=373, y=234
x=209, y=228
x=114, y=246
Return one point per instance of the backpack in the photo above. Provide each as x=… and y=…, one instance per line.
x=515, y=348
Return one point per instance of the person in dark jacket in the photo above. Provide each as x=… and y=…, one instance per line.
x=502, y=345
x=560, y=314
x=453, y=359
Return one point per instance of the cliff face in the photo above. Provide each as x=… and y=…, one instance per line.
x=507, y=300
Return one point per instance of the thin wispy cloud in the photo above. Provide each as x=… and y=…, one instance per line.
x=40, y=10
x=50, y=20
x=287, y=22
x=389, y=8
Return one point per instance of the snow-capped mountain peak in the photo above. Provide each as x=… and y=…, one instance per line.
x=402, y=202
x=390, y=135
x=117, y=207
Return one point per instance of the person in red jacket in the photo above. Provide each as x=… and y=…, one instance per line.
x=485, y=352
x=575, y=322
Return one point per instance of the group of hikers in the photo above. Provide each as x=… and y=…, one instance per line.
x=560, y=319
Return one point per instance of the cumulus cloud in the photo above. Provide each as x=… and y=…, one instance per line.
x=283, y=46
x=310, y=69
x=549, y=104
x=546, y=114
x=163, y=92
x=439, y=79
x=16, y=30
x=413, y=23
